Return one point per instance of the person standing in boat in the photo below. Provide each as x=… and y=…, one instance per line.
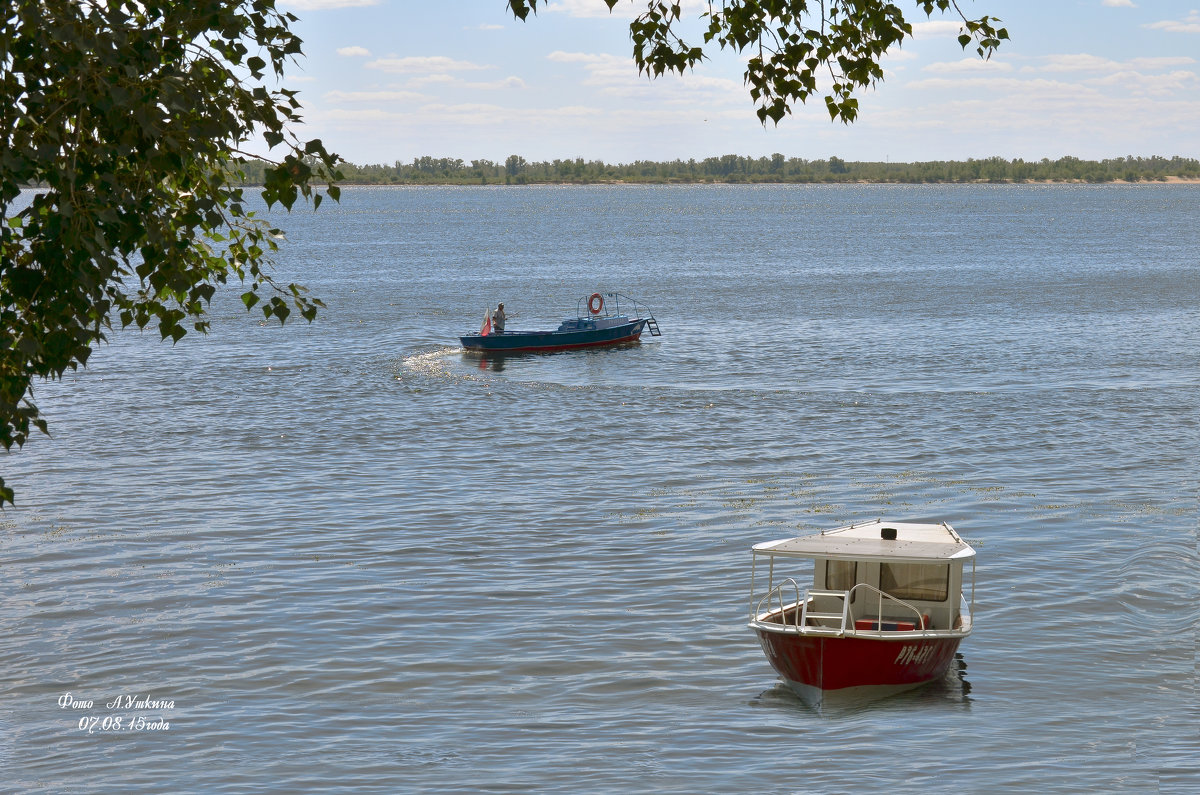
x=498, y=319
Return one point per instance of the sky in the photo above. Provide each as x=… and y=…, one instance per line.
x=386, y=81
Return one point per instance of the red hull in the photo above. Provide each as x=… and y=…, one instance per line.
x=833, y=663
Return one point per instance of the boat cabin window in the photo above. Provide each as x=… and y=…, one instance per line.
x=924, y=582
x=840, y=574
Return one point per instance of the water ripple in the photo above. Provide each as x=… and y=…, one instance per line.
x=357, y=558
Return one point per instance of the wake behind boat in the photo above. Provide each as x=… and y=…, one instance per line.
x=599, y=321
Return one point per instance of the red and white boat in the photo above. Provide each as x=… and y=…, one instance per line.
x=885, y=611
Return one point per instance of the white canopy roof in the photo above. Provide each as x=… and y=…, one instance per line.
x=865, y=541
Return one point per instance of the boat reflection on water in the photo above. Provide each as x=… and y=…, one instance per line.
x=950, y=689
x=496, y=361
x=493, y=361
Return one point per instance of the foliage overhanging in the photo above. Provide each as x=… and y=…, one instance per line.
x=132, y=114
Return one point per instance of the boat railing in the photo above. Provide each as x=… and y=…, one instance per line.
x=816, y=612
x=764, y=604
x=801, y=613
x=920, y=621
x=612, y=306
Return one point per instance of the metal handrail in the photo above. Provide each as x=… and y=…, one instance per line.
x=638, y=307
x=920, y=622
x=801, y=615
x=767, y=600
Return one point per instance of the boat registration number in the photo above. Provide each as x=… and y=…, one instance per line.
x=918, y=653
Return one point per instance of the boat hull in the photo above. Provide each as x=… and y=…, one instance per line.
x=545, y=341
x=815, y=666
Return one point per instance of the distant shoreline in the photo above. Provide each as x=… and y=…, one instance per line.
x=775, y=169
x=744, y=171
x=1170, y=180
x=586, y=183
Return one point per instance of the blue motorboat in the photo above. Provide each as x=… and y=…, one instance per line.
x=599, y=320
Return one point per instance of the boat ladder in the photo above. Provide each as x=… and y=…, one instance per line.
x=841, y=618
x=652, y=324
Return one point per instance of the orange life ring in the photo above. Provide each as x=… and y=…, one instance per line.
x=596, y=303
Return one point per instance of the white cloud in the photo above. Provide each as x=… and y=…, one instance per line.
x=901, y=55
x=373, y=96
x=498, y=85
x=592, y=9
x=1013, y=85
x=1052, y=118
x=365, y=114
x=1160, y=85
x=465, y=114
x=1082, y=62
x=560, y=56
x=434, y=63
x=1082, y=75
x=615, y=76
x=1160, y=62
x=1189, y=25
x=352, y=52
x=485, y=26
x=1107, y=87
x=570, y=121
x=450, y=81
x=1076, y=62
x=326, y=5
x=459, y=128
x=603, y=69
x=430, y=80
x=936, y=29
x=1119, y=3
x=588, y=9
x=967, y=66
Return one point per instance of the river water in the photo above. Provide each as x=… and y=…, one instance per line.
x=347, y=556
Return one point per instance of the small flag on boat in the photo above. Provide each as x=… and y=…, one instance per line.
x=486, y=328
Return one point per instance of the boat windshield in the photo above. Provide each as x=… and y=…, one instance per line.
x=926, y=582
x=840, y=575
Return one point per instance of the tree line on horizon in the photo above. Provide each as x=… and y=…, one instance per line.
x=777, y=168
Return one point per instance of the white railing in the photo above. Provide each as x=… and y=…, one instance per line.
x=778, y=591
x=920, y=622
x=801, y=612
